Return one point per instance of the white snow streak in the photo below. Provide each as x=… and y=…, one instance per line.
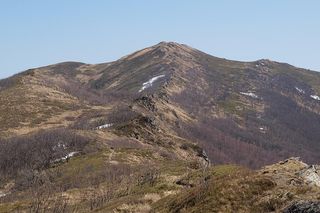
x=71, y=154
x=68, y=156
x=315, y=97
x=251, y=94
x=104, y=126
x=300, y=90
x=149, y=83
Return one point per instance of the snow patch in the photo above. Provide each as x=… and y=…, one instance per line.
x=149, y=83
x=250, y=94
x=263, y=130
x=300, y=90
x=68, y=156
x=104, y=126
x=2, y=194
x=315, y=97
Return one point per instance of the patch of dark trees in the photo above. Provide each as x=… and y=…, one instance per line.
x=22, y=155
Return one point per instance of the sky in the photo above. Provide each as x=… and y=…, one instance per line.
x=36, y=33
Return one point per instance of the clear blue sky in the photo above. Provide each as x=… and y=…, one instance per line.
x=38, y=32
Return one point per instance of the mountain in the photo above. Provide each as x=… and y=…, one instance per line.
x=130, y=134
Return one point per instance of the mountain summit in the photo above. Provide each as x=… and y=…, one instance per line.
x=150, y=125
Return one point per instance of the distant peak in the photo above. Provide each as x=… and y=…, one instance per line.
x=264, y=60
x=166, y=43
x=173, y=47
x=170, y=44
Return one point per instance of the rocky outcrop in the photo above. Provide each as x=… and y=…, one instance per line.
x=311, y=175
x=303, y=207
x=147, y=103
x=294, y=172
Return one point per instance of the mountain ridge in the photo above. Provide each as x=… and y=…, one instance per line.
x=152, y=124
x=165, y=44
x=219, y=81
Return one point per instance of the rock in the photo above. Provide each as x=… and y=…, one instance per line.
x=311, y=175
x=303, y=207
x=147, y=103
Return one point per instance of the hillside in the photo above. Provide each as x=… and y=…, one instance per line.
x=148, y=131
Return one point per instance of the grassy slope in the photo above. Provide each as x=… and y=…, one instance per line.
x=235, y=189
x=95, y=175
